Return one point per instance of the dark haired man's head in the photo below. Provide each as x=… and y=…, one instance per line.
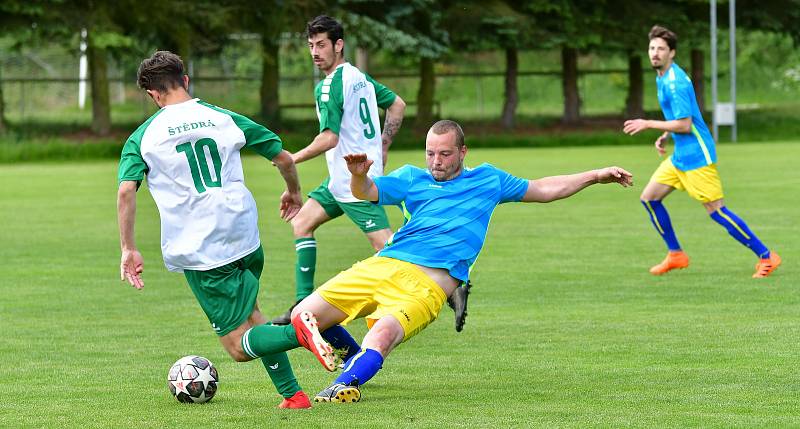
x=161, y=72
x=664, y=33
x=662, y=48
x=325, y=42
x=324, y=24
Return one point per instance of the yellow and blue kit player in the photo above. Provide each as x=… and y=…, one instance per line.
x=401, y=290
x=693, y=164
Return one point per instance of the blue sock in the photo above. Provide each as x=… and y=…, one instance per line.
x=660, y=219
x=739, y=230
x=361, y=367
x=340, y=339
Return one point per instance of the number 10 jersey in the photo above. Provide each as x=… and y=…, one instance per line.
x=190, y=153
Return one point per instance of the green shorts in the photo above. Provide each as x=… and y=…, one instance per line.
x=228, y=293
x=368, y=216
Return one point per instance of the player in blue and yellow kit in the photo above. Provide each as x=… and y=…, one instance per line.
x=692, y=166
x=401, y=289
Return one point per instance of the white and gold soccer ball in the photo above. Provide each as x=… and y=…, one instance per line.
x=193, y=379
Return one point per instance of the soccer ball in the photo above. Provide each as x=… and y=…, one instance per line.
x=193, y=379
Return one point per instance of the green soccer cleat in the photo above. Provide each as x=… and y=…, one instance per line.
x=339, y=392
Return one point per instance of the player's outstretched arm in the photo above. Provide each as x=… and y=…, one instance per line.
x=394, y=118
x=680, y=126
x=325, y=140
x=291, y=200
x=361, y=185
x=554, y=188
x=131, y=263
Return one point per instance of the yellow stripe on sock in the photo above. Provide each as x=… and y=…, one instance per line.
x=655, y=218
x=719, y=212
x=354, y=359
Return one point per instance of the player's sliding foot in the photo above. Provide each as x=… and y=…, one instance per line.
x=299, y=400
x=674, y=260
x=766, y=266
x=458, y=302
x=305, y=327
x=339, y=392
x=285, y=318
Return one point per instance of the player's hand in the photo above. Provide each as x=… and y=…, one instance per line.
x=615, y=175
x=291, y=202
x=131, y=267
x=358, y=164
x=634, y=126
x=661, y=143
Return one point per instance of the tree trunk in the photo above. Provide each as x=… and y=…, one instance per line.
x=698, y=80
x=3, y=124
x=569, y=72
x=362, y=59
x=634, y=103
x=183, y=47
x=98, y=79
x=512, y=96
x=270, y=96
x=427, y=88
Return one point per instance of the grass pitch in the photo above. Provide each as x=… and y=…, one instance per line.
x=565, y=326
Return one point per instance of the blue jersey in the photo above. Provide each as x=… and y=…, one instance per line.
x=677, y=99
x=448, y=220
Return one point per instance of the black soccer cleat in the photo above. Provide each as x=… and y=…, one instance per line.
x=285, y=318
x=339, y=392
x=458, y=302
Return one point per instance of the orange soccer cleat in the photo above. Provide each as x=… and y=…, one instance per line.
x=298, y=401
x=306, y=328
x=765, y=267
x=675, y=259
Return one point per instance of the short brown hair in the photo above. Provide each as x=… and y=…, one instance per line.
x=445, y=126
x=161, y=72
x=664, y=33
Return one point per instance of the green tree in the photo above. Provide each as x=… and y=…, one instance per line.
x=489, y=25
x=270, y=19
x=17, y=21
x=571, y=25
x=413, y=28
x=627, y=33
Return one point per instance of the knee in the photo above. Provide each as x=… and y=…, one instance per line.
x=384, y=339
x=378, y=246
x=379, y=239
x=238, y=354
x=234, y=349
x=301, y=227
x=647, y=196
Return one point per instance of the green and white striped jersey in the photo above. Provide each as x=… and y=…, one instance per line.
x=347, y=104
x=190, y=155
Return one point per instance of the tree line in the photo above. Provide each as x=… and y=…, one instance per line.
x=426, y=30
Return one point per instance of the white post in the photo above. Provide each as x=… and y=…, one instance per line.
x=83, y=68
x=732, y=28
x=715, y=126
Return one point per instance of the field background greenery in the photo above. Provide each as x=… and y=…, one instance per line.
x=565, y=328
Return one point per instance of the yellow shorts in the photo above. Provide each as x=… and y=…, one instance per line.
x=702, y=183
x=378, y=286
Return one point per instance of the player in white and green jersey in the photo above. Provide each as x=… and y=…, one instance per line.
x=347, y=102
x=189, y=151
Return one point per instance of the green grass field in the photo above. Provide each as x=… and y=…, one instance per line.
x=565, y=328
